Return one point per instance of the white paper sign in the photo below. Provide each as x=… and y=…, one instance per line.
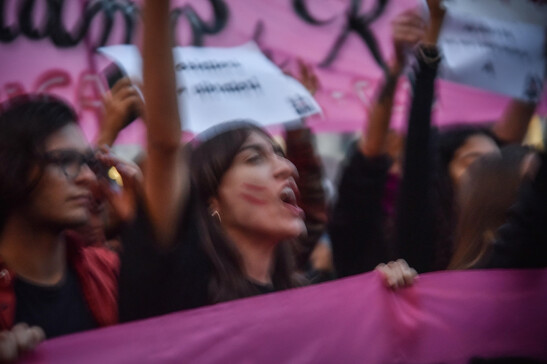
x=522, y=11
x=497, y=55
x=127, y=57
x=222, y=84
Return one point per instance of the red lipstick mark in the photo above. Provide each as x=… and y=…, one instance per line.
x=253, y=187
x=252, y=199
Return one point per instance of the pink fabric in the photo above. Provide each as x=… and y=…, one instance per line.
x=445, y=317
x=347, y=88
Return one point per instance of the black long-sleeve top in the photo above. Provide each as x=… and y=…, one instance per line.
x=415, y=220
x=522, y=241
x=357, y=230
x=356, y=227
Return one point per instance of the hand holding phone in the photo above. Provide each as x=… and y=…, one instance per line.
x=120, y=185
x=122, y=105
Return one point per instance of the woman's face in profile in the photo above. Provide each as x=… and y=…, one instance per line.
x=474, y=147
x=258, y=193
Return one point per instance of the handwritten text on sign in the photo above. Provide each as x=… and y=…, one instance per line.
x=222, y=84
x=497, y=55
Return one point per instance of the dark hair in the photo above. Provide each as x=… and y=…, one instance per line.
x=452, y=138
x=448, y=143
x=210, y=159
x=25, y=123
x=491, y=188
x=515, y=154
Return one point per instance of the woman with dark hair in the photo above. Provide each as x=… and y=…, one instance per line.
x=231, y=174
x=426, y=213
x=487, y=190
x=435, y=162
x=215, y=220
x=456, y=149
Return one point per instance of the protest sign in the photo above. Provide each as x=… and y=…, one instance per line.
x=221, y=84
x=522, y=11
x=217, y=84
x=502, y=56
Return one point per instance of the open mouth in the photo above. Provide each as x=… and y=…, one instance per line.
x=288, y=197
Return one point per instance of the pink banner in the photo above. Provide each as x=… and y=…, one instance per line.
x=446, y=317
x=50, y=49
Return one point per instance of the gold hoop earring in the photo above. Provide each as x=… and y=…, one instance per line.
x=217, y=215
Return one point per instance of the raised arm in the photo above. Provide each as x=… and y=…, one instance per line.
x=512, y=126
x=357, y=224
x=414, y=222
x=167, y=181
x=408, y=29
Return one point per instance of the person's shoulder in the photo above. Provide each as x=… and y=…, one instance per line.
x=96, y=258
x=101, y=255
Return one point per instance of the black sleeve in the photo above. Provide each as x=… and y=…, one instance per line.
x=522, y=240
x=155, y=281
x=414, y=234
x=356, y=227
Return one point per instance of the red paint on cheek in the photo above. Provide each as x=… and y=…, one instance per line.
x=252, y=199
x=253, y=187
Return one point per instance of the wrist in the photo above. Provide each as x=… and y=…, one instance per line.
x=396, y=67
x=436, y=21
x=106, y=137
x=433, y=31
x=428, y=53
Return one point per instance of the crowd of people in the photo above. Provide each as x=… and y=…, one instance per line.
x=232, y=214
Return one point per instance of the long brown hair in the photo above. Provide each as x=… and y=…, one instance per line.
x=483, y=200
x=211, y=158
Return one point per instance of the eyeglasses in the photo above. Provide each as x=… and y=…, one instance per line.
x=71, y=162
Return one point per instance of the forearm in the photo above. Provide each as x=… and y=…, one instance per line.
x=414, y=221
x=433, y=30
x=105, y=138
x=167, y=178
x=513, y=125
x=373, y=141
x=161, y=108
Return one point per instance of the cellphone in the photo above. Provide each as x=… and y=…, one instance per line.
x=109, y=174
x=113, y=73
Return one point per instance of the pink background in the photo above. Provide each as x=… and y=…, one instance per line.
x=348, y=85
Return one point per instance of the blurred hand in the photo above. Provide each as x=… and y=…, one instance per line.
x=122, y=201
x=21, y=338
x=306, y=76
x=397, y=274
x=121, y=105
x=408, y=29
